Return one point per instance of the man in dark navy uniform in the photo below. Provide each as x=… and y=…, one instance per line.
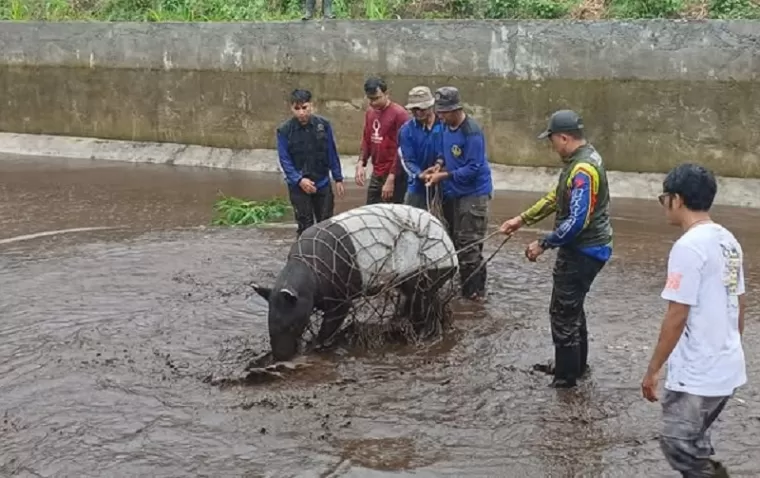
x=308, y=155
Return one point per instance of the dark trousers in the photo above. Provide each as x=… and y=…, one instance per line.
x=467, y=222
x=418, y=200
x=326, y=8
x=574, y=273
x=311, y=208
x=375, y=189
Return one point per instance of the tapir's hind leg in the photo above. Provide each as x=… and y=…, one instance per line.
x=334, y=316
x=422, y=303
x=414, y=298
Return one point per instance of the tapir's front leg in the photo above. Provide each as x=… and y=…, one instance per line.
x=335, y=314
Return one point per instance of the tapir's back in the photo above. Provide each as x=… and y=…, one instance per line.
x=383, y=242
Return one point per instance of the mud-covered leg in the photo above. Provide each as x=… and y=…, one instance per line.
x=419, y=315
x=573, y=275
x=409, y=291
x=431, y=310
x=685, y=439
x=421, y=302
x=565, y=312
x=472, y=224
x=334, y=316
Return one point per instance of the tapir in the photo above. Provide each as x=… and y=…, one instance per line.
x=358, y=253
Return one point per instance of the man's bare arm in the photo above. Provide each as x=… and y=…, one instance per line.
x=670, y=331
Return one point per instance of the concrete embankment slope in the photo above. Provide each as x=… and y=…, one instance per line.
x=653, y=93
x=731, y=191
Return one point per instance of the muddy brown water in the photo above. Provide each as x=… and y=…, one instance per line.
x=106, y=338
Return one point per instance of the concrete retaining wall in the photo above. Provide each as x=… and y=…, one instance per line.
x=653, y=93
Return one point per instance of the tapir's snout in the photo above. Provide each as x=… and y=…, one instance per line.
x=284, y=346
x=290, y=308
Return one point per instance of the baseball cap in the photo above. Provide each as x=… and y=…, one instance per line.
x=561, y=121
x=420, y=97
x=447, y=99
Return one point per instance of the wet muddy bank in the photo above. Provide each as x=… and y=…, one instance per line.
x=107, y=337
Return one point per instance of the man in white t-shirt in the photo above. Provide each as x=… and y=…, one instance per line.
x=701, y=333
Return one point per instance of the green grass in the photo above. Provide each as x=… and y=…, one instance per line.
x=274, y=10
x=232, y=211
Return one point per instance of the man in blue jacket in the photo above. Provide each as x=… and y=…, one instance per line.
x=307, y=152
x=467, y=188
x=417, y=141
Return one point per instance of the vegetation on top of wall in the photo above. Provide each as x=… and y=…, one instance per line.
x=272, y=10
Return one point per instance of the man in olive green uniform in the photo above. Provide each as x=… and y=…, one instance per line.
x=582, y=234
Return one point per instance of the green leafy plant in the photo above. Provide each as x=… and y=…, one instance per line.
x=232, y=211
x=642, y=9
x=735, y=9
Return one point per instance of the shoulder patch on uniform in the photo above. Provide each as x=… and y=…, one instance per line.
x=322, y=120
x=595, y=158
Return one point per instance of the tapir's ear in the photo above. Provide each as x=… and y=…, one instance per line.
x=264, y=292
x=289, y=295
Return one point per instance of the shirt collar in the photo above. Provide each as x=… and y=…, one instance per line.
x=419, y=124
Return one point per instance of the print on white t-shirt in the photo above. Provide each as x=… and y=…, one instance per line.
x=705, y=271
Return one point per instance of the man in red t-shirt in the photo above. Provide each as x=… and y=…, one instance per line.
x=382, y=121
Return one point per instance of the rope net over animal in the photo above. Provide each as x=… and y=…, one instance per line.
x=372, y=272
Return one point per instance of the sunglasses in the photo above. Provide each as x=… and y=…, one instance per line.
x=662, y=197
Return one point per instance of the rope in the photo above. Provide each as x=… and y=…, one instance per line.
x=386, y=292
x=397, y=282
x=490, y=258
x=393, y=284
x=434, y=203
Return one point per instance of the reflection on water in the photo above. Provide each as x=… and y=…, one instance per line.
x=108, y=337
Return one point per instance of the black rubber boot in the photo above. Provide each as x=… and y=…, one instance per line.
x=466, y=280
x=327, y=9
x=567, y=366
x=474, y=282
x=583, y=366
x=309, y=9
